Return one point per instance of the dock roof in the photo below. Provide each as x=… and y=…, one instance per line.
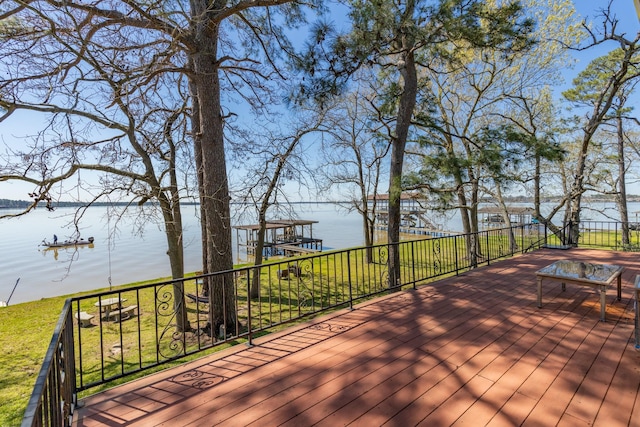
x=276, y=223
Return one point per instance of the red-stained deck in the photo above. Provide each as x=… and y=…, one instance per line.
x=469, y=350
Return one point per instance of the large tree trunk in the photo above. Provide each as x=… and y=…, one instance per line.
x=259, y=249
x=173, y=223
x=197, y=152
x=368, y=225
x=621, y=197
x=465, y=215
x=405, y=112
x=513, y=246
x=214, y=185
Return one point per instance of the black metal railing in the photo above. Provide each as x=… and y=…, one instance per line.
x=106, y=336
x=54, y=396
x=610, y=234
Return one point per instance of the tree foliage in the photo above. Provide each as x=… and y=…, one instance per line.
x=399, y=39
x=597, y=88
x=95, y=57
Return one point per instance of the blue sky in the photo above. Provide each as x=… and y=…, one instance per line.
x=624, y=10
x=21, y=124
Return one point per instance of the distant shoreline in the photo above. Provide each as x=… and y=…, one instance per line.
x=22, y=204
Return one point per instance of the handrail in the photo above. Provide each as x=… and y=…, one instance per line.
x=54, y=398
x=135, y=329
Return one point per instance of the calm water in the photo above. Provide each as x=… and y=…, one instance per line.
x=137, y=252
x=128, y=257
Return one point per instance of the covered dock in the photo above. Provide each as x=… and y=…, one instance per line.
x=414, y=215
x=493, y=216
x=283, y=237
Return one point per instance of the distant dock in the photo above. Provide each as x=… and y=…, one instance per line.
x=413, y=215
x=283, y=237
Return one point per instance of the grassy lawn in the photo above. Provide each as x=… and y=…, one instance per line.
x=25, y=332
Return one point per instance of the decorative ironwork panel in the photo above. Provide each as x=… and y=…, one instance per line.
x=170, y=343
x=436, y=251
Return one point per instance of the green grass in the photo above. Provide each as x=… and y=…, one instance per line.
x=25, y=332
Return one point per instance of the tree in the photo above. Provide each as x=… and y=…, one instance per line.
x=392, y=36
x=269, y=159
x=612, y=146
x=354, y=153
x=121, y=125
x=604, y=86
x=482, y=124
x=151, y=39
x=598, y=87
x=472, y=142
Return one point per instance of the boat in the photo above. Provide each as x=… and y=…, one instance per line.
x=67, y=243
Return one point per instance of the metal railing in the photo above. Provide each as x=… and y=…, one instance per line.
x=54, y=395
x=610, y=234
x=106, y=336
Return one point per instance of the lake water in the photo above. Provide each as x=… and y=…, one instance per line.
x=128, y=257
x=131, y=256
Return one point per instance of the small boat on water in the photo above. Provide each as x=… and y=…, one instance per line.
x=67, y=243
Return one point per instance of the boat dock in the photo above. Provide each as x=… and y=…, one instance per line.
x=492, y=216
x=282, y=238
x=413, y=215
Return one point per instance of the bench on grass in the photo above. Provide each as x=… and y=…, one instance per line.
x=122, y=313
x=292, y=270
x=84, y=319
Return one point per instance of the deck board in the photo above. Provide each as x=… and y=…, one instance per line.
x=467, y=350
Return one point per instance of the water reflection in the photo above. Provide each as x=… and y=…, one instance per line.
x=71, y=250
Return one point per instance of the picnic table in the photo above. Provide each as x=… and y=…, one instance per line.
x=113, y=308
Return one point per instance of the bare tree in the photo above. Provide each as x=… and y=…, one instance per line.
x=270, y=159
x=613, y=148
x=215, y=46
x=122, y=126
x=354, y=152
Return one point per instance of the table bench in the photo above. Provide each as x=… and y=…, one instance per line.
x=84, y=319
x=122, y=313
x=293, y=270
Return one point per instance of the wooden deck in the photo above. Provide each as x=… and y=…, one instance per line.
x=469, y=350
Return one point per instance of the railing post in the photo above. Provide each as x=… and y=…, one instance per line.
x=546, y=234
x=71, y=368
x=413, y=263
x=349, y=279
x=455, y=248
x=249, y=328
x=54, y=396
x=636, y=289
x=488, y=250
